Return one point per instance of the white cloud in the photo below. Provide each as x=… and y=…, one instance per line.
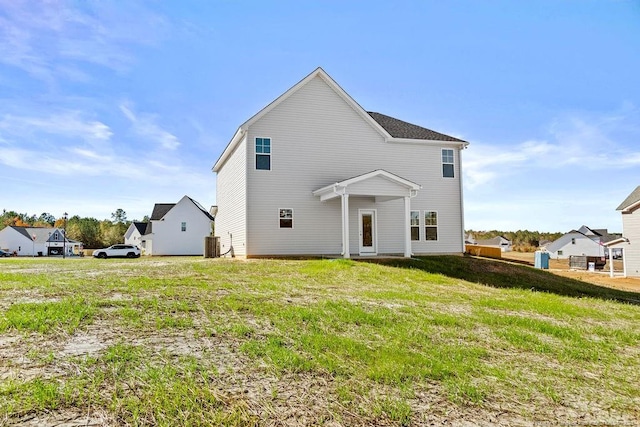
x=46, y=38
x=145, y=126
x=583, y=142
x=69, y=124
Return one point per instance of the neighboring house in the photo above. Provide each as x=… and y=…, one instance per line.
x=584, y=241
x=629, y=243
x=41, y=241
x=176, y=229
x=315, y=174
x=497, y=242
x=133, y=235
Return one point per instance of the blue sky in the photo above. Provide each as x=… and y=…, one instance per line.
x=122, y=104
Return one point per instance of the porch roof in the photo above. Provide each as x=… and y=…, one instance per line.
x=381, y=184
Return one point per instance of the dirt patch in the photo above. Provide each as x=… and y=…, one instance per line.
x=560, y=267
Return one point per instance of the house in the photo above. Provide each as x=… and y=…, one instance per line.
x=497, y=242
x=40, y=241
x=629, y=243
x=133, y=235
x=314, y=174
x=583, y=241
x=175, y=229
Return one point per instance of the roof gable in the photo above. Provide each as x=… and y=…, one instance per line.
x=631, y=203
x=160, y=210
x=391, y=129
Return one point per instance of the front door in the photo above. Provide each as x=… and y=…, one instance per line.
x=368, y=242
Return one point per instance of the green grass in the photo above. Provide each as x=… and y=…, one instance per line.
x=187, y=341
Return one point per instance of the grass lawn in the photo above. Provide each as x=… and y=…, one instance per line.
x=189, y=341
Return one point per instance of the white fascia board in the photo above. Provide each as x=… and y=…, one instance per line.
x=616, y=242
x=631, y=207
x=230, y=147
x=432, y=142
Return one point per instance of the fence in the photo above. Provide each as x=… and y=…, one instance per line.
x=485, y=251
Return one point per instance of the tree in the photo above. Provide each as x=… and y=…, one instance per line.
x=119, y=216
x=46, y=217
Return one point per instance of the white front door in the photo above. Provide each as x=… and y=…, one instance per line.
x=367, y=230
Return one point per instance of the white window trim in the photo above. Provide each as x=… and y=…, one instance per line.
x=292, y=223
x=453, y=162
x=437, y=226
x=419, y=226
x=255, y=154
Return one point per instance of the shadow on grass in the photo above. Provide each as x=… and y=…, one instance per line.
x=501, y=274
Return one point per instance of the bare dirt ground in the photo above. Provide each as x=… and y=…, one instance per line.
x=600, y=278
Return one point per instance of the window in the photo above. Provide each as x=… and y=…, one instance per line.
x=430, y=225
x=573, y=241
x=415, y=225
x=263, y=154
x=183, y=226
x=286, y=218
x=559, y=253
x=447, y=163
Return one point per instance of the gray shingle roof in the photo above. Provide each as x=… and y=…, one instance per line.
x=160, y=210
x=400, y=129
x=634, y=197
x=140, y=226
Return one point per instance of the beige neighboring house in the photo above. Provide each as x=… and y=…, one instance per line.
x=630, y=240
x=497, y=242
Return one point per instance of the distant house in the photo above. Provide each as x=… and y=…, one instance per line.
x=175, y=229
x=583, y=241
x=497, y=242
x=134, y=233
x=313, y=173
x=629, y=243
x=40, y=241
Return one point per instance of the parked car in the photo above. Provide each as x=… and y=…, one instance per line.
x=4, y=253
x=128, y=251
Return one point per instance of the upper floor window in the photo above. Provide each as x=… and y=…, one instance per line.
x=430, y=225
x=263, y=153
x=415, y=225
x=183, y=226
x=447, y=163
x=286, y=218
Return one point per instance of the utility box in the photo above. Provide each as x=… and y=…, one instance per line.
x=541, y=260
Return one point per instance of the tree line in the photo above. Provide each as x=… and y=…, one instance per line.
x=521, y=240
x=91, y=232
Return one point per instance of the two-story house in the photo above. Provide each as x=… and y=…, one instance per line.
x=313, y=173
x=630, y=240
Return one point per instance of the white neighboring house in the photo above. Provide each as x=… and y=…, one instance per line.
x=134, y=233
x=37, y=241
x=177, y=229
x=630, y=240
x=497, y=242
x=584, y=241
x=315, y=174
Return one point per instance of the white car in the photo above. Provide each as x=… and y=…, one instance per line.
x=128, y=251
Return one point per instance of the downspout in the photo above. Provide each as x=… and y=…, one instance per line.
x=462, y=147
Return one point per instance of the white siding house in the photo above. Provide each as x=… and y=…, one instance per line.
x=583, y=241
x=315, y=174
x=37, y=241
x=177, y=229
x=630, y=242
x=133, y=235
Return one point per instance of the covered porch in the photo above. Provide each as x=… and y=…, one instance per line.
x=381, y=186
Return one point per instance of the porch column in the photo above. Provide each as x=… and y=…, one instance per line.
x=407, y=227
x=610, y=261
x=345, y=226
